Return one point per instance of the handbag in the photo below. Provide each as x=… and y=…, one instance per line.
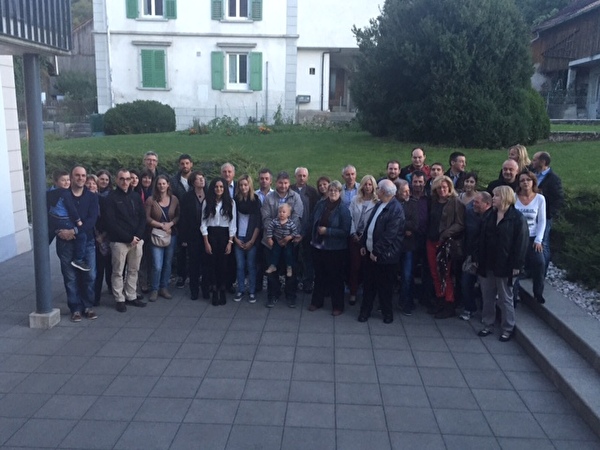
x=158, y=236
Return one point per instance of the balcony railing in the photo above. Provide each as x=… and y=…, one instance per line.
x=41, y=22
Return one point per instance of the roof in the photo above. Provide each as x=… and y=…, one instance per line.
x=574, y=9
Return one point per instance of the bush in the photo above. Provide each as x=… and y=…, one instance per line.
x=540, y=123
x=453, y=72
x=139, y=117
x=575, y=237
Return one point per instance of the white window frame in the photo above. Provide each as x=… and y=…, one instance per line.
x=152, y=13
x=238, y=4
x=236, y=85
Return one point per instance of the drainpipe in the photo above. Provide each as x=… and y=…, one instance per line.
x=266, y=93
x=108, y=55
x=339, y=50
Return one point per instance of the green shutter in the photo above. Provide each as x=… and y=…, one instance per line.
x=217, y=60
x=132, y=9
x=216, y=10
x=255, y=71
x=153, y=69
x=171, y=9
x=256, y=10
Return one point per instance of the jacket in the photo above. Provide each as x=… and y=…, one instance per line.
x=154, y=213
x=501, y=247
x=336, y=235
x=388, y=233
x=452, y=223
x=177, y=188
x=191, y=218
x=254, y=218
x=310, y=197
x=124, y=216
x=551, y=188
x=411, y=218
x=270, y=207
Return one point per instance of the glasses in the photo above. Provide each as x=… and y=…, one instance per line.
x=124, y=179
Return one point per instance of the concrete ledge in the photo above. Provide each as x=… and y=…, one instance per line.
x=561, y=341
x=44, y=321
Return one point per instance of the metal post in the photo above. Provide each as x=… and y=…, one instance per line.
x=37, y=182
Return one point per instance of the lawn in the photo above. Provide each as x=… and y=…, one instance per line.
x=323, y=152
x=574, y=127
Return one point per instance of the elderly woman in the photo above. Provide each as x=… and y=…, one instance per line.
x=360, y=209
x=189, y=232
x=533, y=206
x=499, y=256
x=162, y=212
x=444, y=234
x=330, y=228
x=218, y=230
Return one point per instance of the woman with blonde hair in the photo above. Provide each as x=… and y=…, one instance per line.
x=360, y=209
x=519, y=154
x=499, y=257
x=444, y=236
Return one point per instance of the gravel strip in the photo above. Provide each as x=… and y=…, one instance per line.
x=588, y=300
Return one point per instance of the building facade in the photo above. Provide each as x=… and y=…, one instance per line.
x=246, y=59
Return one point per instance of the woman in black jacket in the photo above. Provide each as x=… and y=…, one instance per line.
x=189, y=228
x=500, y=255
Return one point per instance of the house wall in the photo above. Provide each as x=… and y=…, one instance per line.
x=14, y=232
x=291, y=36
x=82, y=54
x=571, y=40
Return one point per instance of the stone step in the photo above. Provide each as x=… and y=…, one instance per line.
x=563, y=340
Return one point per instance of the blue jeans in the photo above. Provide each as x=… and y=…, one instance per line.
x=534, y=268
x=246, y=260
x=406, y=290
x=78, y=284
x=546, y=244
x=467, y=285
x=162, y=259
x=278, y=250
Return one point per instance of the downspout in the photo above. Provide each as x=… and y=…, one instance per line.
x=109, y=80
x=339, y=50
x=266, y=92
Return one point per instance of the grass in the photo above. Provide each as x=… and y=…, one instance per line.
x=322, y=152
x=573, y=127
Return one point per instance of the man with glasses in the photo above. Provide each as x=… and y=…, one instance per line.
x=125, y=223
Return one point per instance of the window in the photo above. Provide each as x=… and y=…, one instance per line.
x=166, y=9
x=154, y=72
x=236, y=71
x=153, y=7
x=236, y=9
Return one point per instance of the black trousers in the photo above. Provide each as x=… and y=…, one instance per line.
x=378, y=281
x=216, y=264
x=329, y=277
x=196, y=267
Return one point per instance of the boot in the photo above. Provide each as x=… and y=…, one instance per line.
x=435, y=306
x=446, y=312
x=222, y=298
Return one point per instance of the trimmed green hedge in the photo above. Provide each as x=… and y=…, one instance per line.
x=139, y=117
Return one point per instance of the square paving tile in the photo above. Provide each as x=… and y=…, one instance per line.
x=267, y=390
x=163, y=410
x=452, y=398
x=195, y=436
x=312, y=391
x=411, y=419
x=121, y=408
x=407, y=440
x=312, y=438
x=499, y=400
x=401, y=395
x=352, y=373
x=187, y=368
x=228, y=369
x=221, y=388
x=266, y=370
x=314, y=372
x=363, y=439
x=212, y=411
x=37, y=433
x=244, y=437
x=462, y=422
x=357, y=394
x=253, y=412
x=514, y=424
x=360, y=417
x=142, y=435
x=94, y=434
x=65, y=407
x=438, y=376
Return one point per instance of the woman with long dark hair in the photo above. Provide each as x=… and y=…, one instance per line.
x=162, y=212
x=189, y=232
x=218, y=230
x=248, y=228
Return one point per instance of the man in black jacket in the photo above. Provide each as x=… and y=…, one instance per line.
x=179, y=187
x=382, y=244
x=125, y=221
x=510, y=177
x=551, y=188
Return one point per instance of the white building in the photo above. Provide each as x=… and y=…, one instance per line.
x=241, y=58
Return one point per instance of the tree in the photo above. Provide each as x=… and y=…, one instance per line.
x=536, y=11
x=81, y=11
x=446, y=71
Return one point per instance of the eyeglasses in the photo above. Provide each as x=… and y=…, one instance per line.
x=124, y=179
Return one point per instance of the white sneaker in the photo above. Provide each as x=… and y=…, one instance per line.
x=466, y=315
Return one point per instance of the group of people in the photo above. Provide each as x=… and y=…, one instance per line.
x=337, y=239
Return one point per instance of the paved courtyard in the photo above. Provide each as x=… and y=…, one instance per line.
x=183, y=374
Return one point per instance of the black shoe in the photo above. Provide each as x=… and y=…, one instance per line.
x=362, y=318
x=446, y=312
x=222, y=298
x=139, y=297
x=194, y=296
x=137, y=303
x=121, y=307
x=541, y=299
x=180, y=284
x=215, y=298
x=388, y=319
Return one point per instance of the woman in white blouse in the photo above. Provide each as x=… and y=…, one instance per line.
x=533, y=206
x=218, y=230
